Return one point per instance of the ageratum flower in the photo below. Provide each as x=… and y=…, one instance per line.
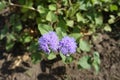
x=48, y=42
x=67, y=46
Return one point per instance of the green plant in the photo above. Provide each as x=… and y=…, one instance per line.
x=74, y=18
x=86, y=62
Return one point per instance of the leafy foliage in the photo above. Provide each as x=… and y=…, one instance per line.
x=84, y=46
x=86, y=62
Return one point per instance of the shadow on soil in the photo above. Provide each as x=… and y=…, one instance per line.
x=59, y=71
x=49, y=73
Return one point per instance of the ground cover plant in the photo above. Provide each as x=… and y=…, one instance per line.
x=49, y=29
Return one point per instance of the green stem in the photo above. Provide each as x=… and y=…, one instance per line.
x=21, y=6
x=70, y=3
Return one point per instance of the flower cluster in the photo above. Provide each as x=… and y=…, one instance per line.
x=67, y=45
x=50, y=42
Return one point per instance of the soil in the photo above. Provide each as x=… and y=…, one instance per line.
x=108, y=47
x=107, y=44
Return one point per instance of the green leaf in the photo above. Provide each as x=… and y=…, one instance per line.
x=96, y=2
x=51, y=17
x=96, y=67
x=18, y=27
x=27, y=6
x=10, y=36
x=60, y=32
x=113, y=7
x=16, y=23
x=118, y=13
x=27, y=39
x=21, y=2
x=29, y=3
x=69, y=59
x=41, y=9
x=63, y=57
x=3, y=32
x=51, y=56
x=61, y=23
x=43, y=28
x=107, y=28
x=2, y=36
x=72, y=10
x=112, y=19
x=65, y=2
x=61, y=28
x=83, y=6
x=36, y=54
x=78, y=50
x=96, y=57
x=9, y=45
x=84, y=45
x=2, y=5
x=96, y=62
x=84, y=62
x=80, y=18
x=36, y=57
x=66, y=59
x=32, y=15
x=24, y=9
x=33, y=48
x=52, y=7
x=75, y=35
x=91, y=16
x=99, y=20
x=70, y=23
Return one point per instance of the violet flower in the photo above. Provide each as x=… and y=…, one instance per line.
x=48, y=42
x=67, y=46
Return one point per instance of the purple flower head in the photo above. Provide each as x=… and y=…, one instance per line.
x=48, y=42
x=67, y=45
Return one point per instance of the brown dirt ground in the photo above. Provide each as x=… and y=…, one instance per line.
x=109, y=50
